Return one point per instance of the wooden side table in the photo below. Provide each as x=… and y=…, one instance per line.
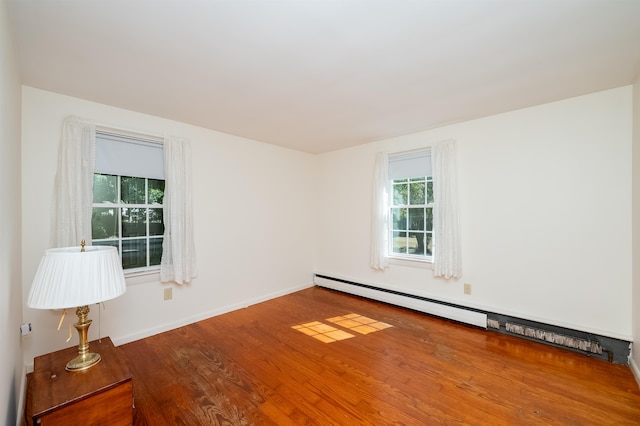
x=101, y=395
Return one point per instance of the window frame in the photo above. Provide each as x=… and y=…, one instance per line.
x=119, y=205
x=429, y=203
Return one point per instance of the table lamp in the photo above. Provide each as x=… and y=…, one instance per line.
x=71, y=277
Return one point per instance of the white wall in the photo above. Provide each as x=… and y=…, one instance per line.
x=11, y=371
x=253, y=207
x=635, y=304
x=546, y=214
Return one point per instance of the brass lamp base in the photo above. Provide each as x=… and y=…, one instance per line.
x=85, y=359
x=82, y=362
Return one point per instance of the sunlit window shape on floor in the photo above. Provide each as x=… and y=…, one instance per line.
x=359, y=323
x=323, y=332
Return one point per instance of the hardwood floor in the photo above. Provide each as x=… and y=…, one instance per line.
x=250, y=367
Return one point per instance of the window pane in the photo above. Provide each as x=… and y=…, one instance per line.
x=132, y=190
x=429, y=244
x=400, y=193
x=104, y=223
x=156, y=191
x=416, y=191
x=156, y=225
x=430, y=192
x=134, y=253
x=400, y=242
x=104, y=188
x=155, y=251
x=134, y=222
x=416, y=219
x=399, y=218
x=429, y=214
x=416, y=243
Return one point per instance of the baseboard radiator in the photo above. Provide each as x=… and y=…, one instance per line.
x=603, y=347
x=416, y=303
x=593, y=345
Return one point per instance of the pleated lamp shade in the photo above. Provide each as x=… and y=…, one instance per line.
x=68, y=278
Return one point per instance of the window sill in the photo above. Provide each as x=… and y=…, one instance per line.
x=142, y=277
x=411, y=263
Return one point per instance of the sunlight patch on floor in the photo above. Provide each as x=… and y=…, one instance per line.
x=353, y=322
x=323, y=332
x=359, y=324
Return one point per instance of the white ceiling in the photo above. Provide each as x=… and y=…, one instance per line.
x=319, y=75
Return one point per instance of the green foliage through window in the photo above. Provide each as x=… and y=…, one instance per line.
x=128, y=214
x=412, y=217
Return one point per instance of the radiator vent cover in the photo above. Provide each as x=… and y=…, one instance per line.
x=557, y=338
x=593, y=345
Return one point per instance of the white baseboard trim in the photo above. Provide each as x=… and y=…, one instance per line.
x=121, y=340
x=635, y=369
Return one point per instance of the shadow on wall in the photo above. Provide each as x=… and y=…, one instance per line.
x=11, y=418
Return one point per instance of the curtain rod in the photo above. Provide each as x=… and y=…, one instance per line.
x=424, y=148
x=410, y=151
x=108, y=128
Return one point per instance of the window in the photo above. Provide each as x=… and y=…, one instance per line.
x=128, y=193
x=411, y=206
x=415, y=209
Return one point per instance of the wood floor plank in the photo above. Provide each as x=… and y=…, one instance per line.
x=250, y=367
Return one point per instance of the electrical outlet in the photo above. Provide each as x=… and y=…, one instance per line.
x=467, y=288
x=168, y=293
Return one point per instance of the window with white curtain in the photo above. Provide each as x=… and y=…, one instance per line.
x=128, y=194
x=411, y=206
x=415, y=209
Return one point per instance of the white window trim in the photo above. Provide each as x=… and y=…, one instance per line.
x=142, y=277
x=398, y=258
x=422, y=263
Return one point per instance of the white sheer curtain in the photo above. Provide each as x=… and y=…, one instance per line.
x=73, y=193
x=380, y=213
x=447, y=259
x=178, y=249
